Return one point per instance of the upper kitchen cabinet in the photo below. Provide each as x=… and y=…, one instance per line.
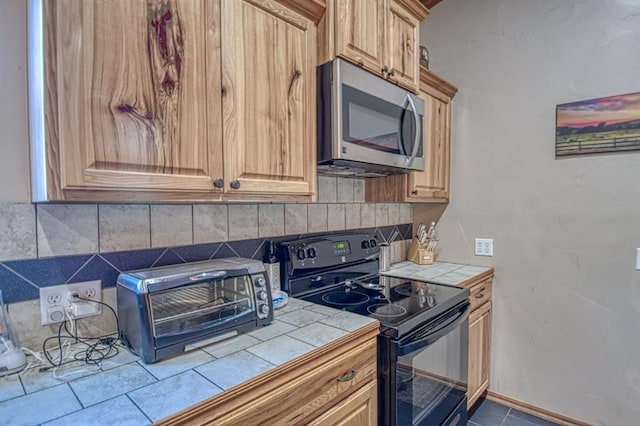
x=268, y=98
x=171, y=100
x=379, y=35
x=432, y=184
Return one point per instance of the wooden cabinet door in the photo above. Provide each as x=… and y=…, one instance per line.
x=479, y=352
x=359, y=32
x=359, y=409
x=268, y=98
x=433, y=182
x=131, y=95
x=403, y=46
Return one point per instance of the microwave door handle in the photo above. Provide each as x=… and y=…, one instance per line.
x=416, y=139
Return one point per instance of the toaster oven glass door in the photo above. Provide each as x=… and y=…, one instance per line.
x=204, y=305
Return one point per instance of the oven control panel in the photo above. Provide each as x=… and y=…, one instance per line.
x=331, y=250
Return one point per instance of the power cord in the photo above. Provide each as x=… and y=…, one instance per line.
x=97, y=348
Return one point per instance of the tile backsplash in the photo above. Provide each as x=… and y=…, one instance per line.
x=50, y=244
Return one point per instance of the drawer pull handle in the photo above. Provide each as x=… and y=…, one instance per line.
x=348, y=377
x=479, y=296
x=481, y=290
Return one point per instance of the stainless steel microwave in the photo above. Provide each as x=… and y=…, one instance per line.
x=367, y=126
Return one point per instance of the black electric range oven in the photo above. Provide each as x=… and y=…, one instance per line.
x=423, y=342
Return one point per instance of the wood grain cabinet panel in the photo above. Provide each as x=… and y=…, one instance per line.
x=125, y=90
x=479, y=336
x=381, y=36
x=360, y=32
x=268, y=98
x=479, y=352
x=403, y=44
x=432, y=184
x=358, y=410
x=333, y=385
x=134, y=107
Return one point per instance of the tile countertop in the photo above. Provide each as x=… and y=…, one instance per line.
x=439, y=272
x=125, y=391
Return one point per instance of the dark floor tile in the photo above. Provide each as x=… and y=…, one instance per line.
x=531, y=419
x=488, y=413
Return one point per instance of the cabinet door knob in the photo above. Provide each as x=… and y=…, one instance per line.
x=391, y=73
x=414, y=192
x=218, y=183
x=385, y=69
x=235, y=184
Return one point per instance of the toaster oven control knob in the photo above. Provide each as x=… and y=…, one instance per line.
x=264, y=309
x=311, y=253
x=365, y=244
x=373, y=243
x=300, y=254
x=260, y=282
x=262, y=295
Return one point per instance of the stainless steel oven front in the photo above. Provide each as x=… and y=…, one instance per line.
x=424, y=372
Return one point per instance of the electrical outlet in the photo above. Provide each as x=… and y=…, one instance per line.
x=484, y=246
x=65, y=301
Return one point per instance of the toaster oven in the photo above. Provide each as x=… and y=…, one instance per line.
x=169, y=310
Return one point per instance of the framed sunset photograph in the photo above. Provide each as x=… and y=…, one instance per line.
x=608, y=124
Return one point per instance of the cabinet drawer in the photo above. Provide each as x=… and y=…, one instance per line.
x=481, y=293
x=304, y=397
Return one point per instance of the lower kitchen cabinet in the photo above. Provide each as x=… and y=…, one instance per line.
x=479, y=340
x=360, y=409
x=332, y=385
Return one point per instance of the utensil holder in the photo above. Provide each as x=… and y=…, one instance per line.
x=419, y=254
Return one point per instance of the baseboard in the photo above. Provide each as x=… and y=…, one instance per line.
x=533, y=410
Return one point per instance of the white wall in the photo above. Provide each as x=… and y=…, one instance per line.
x=14, y=132
x=567, y=297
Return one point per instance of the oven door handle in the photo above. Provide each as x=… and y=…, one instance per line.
x=411, y=344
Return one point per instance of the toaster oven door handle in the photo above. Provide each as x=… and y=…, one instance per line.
x=205, y=275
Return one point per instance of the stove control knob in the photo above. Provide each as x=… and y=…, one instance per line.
x=260, y=282
x=365, y=244
x=300, y=254
x=373, y=243
x=262, y=295
x=264, y=309
x=311, y=253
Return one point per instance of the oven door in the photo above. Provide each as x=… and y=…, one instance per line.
x=202, y=307
x=424, y=373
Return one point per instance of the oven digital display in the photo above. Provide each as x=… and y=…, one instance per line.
x=341, y=247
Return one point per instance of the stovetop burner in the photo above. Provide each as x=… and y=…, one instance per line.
x=386, y=310
x=345, y=298
x=403, y=290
